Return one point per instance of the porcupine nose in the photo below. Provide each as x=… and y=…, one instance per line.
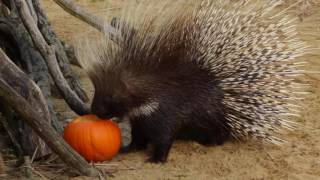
x=105, y=116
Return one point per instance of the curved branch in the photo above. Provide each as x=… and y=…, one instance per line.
x=37, y=121
x=32, y=11
x=18, y=45
x=14, y=75
x=95, y=21
x=48, y=53
x=61, y=53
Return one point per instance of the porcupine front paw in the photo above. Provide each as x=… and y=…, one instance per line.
x=138, y=142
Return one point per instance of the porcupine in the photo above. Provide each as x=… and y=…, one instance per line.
x=205, y=72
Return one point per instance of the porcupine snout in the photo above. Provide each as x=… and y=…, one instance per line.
x=105, y=108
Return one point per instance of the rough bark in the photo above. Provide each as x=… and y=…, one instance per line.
x=17, y=43
x=12, y=133
x=48, y=52
x=63, y=60
x=35, y=99
x=29, y=106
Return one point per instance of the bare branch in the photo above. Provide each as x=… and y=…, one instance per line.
x=61, y=53
x=4, y=10
x=36, y=120
x=32, y=10
x=95, y=21
x=35, y=98
x=48, y=53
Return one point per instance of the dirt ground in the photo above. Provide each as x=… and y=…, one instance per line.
x=297, y=159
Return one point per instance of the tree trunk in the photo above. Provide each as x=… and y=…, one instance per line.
x=62, y=58
x=18, y=44
x=19, y=91
x=34, y=62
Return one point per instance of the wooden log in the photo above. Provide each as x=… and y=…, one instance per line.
x=48, y=53
x=61, y=52
x=37, y=120
x=36, y=100
x=15, y=39
x=19, y=46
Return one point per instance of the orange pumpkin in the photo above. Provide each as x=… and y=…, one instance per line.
x=93, y=138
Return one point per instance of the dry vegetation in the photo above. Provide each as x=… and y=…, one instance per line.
x=297, y=159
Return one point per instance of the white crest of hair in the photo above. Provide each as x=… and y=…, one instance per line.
x=251, y=47
x=145, y=109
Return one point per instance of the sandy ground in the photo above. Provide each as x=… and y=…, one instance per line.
x=297, y=159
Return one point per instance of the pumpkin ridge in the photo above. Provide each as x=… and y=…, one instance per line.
x=96, y=150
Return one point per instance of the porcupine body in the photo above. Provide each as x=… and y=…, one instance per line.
x=206, y=72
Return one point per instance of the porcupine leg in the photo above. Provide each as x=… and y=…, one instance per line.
x=138, y=139
x=161, y=150
x=162, y=132
x=217, y=135
x=221, y=135
x=210, y=131
x=205, y=136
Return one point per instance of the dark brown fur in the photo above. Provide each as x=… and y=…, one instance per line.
x=189, y=98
